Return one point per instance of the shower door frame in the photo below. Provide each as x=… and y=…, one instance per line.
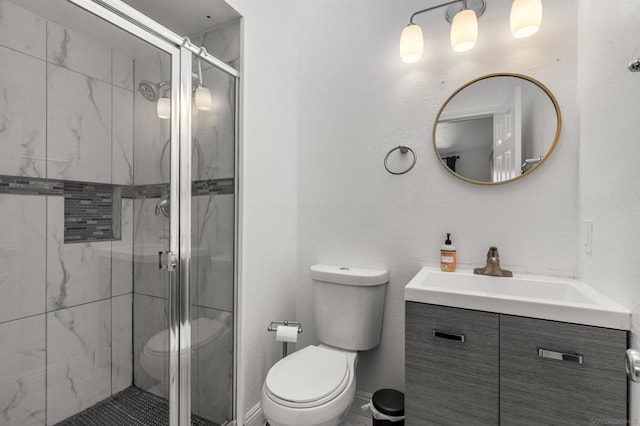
x=182, y=52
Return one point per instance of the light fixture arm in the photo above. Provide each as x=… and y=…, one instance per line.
x=436, y=7
x=199, y=73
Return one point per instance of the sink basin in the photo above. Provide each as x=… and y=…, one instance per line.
x=524, y=295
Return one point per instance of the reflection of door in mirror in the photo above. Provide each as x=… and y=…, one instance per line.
x=507, y=138
x=467, y=141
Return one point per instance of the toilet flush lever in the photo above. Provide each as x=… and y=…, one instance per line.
x=167, y=260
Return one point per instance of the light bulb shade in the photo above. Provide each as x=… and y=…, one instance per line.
x=411, y=43
x=526, y=17
x=164, y=108
x=203, y=98
x=464, y=30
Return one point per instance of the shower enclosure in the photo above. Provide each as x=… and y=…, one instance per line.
x=118, y=207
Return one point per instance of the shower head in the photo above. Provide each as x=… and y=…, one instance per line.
x=151, y=91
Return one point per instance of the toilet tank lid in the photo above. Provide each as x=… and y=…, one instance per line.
x=348, y=275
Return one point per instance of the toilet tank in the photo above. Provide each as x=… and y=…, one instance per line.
x=348, y=305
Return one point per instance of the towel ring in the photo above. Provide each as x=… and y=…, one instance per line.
x=403, y=150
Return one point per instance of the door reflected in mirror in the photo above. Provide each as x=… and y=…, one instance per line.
x=497, y=128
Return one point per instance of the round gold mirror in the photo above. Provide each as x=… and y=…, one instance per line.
x=497, y=128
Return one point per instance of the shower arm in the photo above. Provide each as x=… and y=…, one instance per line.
x=194, y=78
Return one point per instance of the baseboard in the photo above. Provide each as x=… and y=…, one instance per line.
x=359, y=400
x=255, y=417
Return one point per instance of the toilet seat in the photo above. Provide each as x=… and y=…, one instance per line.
x=207, y=330
x=308, y=378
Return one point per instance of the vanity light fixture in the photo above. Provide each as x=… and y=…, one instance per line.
x=163, y=108
x=151, y=91
x=526, y=17
x=464, y=30
x=202, y=94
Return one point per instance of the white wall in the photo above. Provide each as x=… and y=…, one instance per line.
x=269, y=150
x=353, y=100
x=356, y=100
x=609, y=142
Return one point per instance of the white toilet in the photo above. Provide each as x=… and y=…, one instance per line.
x=154, y=358
x=315, y=386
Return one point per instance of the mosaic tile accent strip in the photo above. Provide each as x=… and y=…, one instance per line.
x=213, y=186
x=200, y=187
x=150, y=191
x=128, y=191
x=92, y=210
x=30, y=186
x=38, y=186
x=88, y=212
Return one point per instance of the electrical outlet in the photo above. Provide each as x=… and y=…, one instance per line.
x=588, y=236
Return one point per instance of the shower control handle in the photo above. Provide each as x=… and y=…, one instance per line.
x=167, y=260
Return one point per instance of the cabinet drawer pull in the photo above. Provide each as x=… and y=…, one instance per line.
x=546, y=353
x=446, y=335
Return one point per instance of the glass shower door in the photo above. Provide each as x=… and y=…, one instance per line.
x=90, y=137
x=213, y=213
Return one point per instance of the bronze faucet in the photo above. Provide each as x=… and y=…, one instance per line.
x=493, y=265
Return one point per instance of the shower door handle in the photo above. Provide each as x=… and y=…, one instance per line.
x=167, y=260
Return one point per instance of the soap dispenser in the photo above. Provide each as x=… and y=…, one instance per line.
x=448, y=256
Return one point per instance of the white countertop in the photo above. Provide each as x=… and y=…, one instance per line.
x=541, y=297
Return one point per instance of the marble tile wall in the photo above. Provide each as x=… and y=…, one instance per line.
x=76, y=273
x=122, y=344
x=22, y=371
x=22, y=114
x=78, y=359
x=66, y=310
x=22, y=256
x=62, y=290
x=151, y=150
x=122, y=253
x=62, y=88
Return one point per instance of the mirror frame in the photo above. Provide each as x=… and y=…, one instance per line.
x=484, y=77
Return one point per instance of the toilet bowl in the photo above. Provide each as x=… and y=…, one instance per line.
x=312, y=387
x=315, y=386
x=154, y=358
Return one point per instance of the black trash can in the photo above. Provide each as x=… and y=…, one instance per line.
x=389, y=404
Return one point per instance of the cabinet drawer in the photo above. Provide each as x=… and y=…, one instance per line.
x=451, y=379
x=540, y=386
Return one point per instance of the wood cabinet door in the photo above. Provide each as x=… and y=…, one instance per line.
x=451, y=377
x=554, y=373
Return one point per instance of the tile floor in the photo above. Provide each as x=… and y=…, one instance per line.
x=130, y=407
x=353, y=419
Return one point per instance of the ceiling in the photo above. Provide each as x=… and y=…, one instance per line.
x=77, y=19
x=186, y=17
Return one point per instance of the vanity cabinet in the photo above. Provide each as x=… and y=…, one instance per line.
x=482, y=368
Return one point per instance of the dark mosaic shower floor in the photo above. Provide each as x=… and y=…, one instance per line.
x=130, y=407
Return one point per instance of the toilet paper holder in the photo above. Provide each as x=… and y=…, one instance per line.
x=274, y=327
